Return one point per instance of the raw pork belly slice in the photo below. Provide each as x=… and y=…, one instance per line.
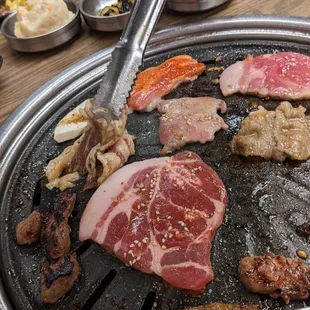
x=154, y=83
x=281, y=76
x=187, y=120
x=159, y=216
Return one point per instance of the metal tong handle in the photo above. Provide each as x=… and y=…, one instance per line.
x=142, y=21
x=128, y=55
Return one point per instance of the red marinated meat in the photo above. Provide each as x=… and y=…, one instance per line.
x=188, y=120
x=281, y=76
x=159, y=216
x=155, y=82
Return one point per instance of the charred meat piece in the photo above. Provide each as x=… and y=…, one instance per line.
x=281, y=76
x=115, y=158
x=155, y=82
x=28, y=231
x=73, y=124
x=221, y=306
x=55, y=236
x=304, y=229
x=58, y=278
x=276, y=275
x=188, y=120
x=159, y=216
x=275, y=135
x=64, y=182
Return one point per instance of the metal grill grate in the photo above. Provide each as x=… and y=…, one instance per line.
x=266, y=201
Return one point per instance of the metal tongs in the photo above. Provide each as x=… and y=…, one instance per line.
x=127, y=58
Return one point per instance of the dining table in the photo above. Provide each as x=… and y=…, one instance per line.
x=23, y=73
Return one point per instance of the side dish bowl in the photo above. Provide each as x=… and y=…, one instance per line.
x=192, y=6
x=46, y=41
x=90, y=8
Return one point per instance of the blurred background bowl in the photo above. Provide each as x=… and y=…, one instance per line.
x=90, y=9
x=3, y=16
x=6, y=10
x=46, y=41
x=192, y=6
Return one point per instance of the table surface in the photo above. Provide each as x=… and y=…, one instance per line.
x=22, y=74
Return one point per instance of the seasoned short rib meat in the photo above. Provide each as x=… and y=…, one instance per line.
x=276, y=275
x=283, y=76
x=155, y=82
x=58, y=278
x=159, y=216
x=28, y=231
x=275, y=135
x=56, y=231
x=187, y=120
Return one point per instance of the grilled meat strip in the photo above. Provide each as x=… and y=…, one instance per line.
x=55, y=237
x=221, y=306
x=304, y=229
x=276, y=275
x=58, y=278
x=64, y=182
x=111, y=159
x=28, y=231
x=280, y=76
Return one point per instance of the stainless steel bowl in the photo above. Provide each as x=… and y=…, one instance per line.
x=89, y=10
x=46, y=41
x=192, y=6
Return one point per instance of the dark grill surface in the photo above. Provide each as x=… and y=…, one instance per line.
x=266, y=202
